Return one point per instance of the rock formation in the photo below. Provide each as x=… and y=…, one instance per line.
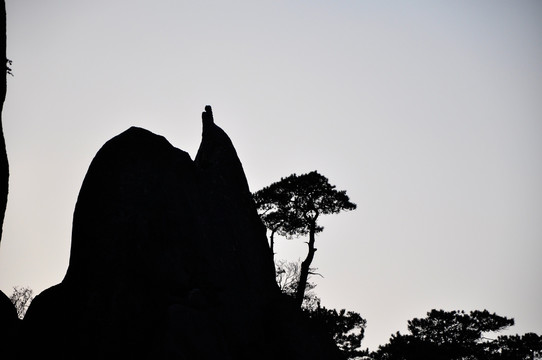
x=8, y=315
x=169, y=260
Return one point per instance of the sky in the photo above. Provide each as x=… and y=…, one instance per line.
x=428, y=113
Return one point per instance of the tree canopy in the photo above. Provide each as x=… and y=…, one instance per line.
x=293, y=204
x=456, y=327
x=347, y=328
x=455, y=335
x=527, y=346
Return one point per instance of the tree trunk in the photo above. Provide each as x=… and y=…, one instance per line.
x=272, y=247
x=305, y=267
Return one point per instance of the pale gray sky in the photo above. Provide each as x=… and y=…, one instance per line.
x=429, y=113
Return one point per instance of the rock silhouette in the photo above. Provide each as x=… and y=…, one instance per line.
x=8, y=315
x=169, y=259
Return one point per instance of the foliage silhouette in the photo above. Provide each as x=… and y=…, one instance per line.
x=292, y=207
x=8, y=69
x=347, y=328
x=528, y=346
x=21, y=299
x=454, y=335
x=287, y=276
x=273, y=203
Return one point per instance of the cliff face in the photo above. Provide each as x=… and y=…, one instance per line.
x=169, y=260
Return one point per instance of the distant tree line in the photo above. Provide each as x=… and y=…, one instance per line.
x=457, y=335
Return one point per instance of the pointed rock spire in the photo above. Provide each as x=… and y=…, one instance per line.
x=207, y=115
